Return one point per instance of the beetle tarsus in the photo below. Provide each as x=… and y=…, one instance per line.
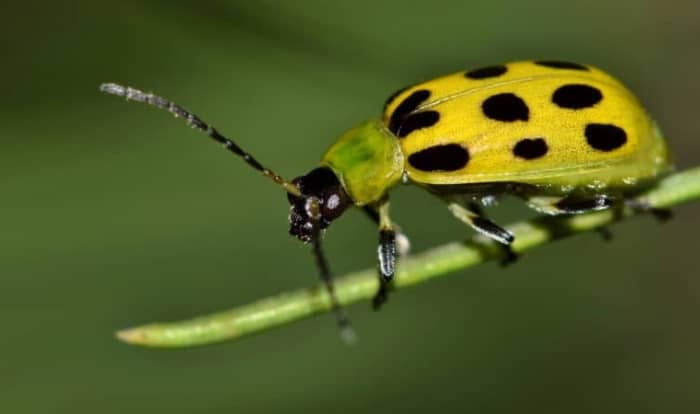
x=605, y=233
x=509, y=256
x=382, y=295
x=662, y=214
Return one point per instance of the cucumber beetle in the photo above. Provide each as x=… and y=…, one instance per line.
x=564, y=137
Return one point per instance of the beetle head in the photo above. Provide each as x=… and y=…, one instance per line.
x=323, y=200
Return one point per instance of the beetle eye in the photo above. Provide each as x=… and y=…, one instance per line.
x=333, y=201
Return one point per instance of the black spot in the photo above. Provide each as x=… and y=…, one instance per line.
x=576, y=96
x=393, y=96
x=506, y=107
x=605, y=137
x=417, y=120
x=557, y=64
x=449, y=157
x=487, y=72
x=530, y=148
x=408, y=105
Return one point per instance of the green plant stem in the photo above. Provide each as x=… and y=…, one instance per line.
x=362, y=285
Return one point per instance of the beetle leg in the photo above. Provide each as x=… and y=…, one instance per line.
x=570, y=204
x=509, y=256
x=640, y=206
x=476, y=208
x=403, y=244
x=544, y=204
x=605, y=233
x=486, y=227
x=575, y=205
x=387, y=250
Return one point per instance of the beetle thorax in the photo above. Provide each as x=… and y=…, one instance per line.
x=367, y=161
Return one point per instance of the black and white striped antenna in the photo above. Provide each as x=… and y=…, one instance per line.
x=194, y=121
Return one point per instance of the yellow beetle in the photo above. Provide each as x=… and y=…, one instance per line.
x=566, y=138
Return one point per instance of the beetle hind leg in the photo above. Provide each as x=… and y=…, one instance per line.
x=605, y=233
x=576, y=205
x=570, y=204
x=639, y=206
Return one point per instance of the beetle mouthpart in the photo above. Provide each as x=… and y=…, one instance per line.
x=300, y=224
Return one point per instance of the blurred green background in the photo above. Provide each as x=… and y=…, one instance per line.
x=114, y=214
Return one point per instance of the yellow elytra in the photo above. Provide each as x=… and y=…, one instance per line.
x=547, y=107
x=566, y=138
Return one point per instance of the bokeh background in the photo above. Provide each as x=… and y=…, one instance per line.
x=114, y=214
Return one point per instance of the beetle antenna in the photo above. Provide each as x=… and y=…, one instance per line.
x=194, y=121
x=346, y=330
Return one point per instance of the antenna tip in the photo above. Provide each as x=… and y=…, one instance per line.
x=347, y=333
x=108, y=86
x=112, y=88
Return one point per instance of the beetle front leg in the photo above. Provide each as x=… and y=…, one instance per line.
x=403, y=244
x=387, y=266
x=387, y=251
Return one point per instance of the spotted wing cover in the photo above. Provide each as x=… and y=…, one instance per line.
x=531, y=122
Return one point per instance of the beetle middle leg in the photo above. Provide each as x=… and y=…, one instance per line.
x=472, y=217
